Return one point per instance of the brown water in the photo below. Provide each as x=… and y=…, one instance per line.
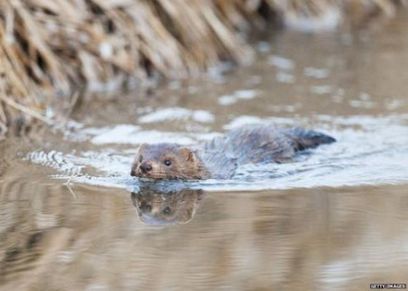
x=71, y=218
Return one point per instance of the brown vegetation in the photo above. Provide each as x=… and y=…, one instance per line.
x=52, y=50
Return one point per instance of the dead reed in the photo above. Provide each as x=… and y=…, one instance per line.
x=49, y=50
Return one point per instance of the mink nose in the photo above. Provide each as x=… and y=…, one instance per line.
x=146, y=167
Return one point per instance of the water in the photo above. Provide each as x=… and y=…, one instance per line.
x=71, y=217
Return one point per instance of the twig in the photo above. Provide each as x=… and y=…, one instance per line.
x=68, y=185
x=25, y=110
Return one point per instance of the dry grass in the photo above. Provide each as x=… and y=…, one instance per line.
x=51, y=49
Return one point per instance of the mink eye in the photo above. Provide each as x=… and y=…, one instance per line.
x=167, y=162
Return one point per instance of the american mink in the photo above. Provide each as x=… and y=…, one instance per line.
x=220, y=157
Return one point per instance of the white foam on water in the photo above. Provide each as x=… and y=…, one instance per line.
x=369, y=151
x=127, y=134
x=139, y=137
x=226, y=100
x=281, y=62
x=177, y=113
x=321, y=89
x=250, y=119
x=316, y=73
x=286, y=78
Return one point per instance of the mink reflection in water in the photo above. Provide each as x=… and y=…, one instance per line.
x=159, y=207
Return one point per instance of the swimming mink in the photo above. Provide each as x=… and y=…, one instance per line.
x=220, y=157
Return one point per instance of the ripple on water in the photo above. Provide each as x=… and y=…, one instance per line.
x=370, y=150
x=177, y=113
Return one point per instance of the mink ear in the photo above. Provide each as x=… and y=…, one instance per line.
x=141, y=147
x=136, y=160
x=187, y=154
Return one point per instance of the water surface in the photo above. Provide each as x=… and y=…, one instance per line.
x=71, y=217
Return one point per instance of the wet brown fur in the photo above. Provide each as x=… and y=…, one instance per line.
x=220, y=157
x=185, y=164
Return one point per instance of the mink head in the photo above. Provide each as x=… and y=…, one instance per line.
x=167, y=161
